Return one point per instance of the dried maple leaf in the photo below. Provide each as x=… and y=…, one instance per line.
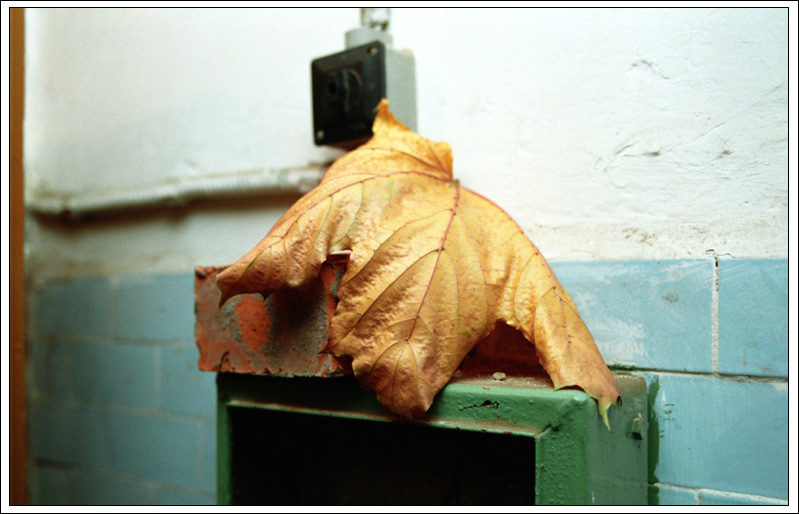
x=433, y=267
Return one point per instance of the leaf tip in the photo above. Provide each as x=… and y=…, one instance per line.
x=604, y=405
x=604, y=414
x=385, y=119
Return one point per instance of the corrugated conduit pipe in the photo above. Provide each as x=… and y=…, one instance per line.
x=178, y=192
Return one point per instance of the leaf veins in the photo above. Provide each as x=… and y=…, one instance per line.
x=433, y=268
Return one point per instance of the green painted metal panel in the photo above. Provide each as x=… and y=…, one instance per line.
x=577, y=459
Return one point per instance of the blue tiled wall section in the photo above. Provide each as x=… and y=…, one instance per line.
x=50, y=485
x=724, y=498
x=645, y=314
x=154, y=308
x=120, y=414
x=178, y=497
x=119, y=411
x=50, y=369
x=184, y=390
x=160, y=448
x=208, y=468
x=107, y=489
x=68, y=435
x=721, y=434
x=753, y=317
x=81, y=308
x=57, y=485
x=118, y=374
x=670, y=495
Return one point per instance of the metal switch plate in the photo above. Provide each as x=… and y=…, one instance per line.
x=347, y=87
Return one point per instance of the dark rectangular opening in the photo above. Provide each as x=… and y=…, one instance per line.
x=287, y=458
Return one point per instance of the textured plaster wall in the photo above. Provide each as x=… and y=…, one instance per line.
x=607, y=134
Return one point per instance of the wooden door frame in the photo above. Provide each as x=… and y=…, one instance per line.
x=17, y=440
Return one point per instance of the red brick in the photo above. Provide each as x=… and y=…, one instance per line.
x=282, y=335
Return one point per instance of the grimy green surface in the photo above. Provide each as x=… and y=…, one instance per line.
x=578, y=461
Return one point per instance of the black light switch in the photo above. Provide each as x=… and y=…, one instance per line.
x=347, y=86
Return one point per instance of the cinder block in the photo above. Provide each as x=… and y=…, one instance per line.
x=115, y=374
x=74, y=309
x=184, y=388
x=645, y=314
x=68, y=435
x=165, y=450
x=753, y=317
x=154, y=307
x=91, y=488
x=720, y=434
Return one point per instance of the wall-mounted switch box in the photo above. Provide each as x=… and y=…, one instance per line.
x=347, y=87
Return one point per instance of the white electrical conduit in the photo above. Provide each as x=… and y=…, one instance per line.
x=179, y=192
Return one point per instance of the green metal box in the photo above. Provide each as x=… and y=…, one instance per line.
x=326, y=441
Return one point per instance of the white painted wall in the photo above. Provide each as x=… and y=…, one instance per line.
x=607, y=134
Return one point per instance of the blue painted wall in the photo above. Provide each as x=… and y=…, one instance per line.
x=119, y=413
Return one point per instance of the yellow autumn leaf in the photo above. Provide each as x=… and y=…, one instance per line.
x=433, y=268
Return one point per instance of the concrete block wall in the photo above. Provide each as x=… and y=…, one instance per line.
x=121, y=414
